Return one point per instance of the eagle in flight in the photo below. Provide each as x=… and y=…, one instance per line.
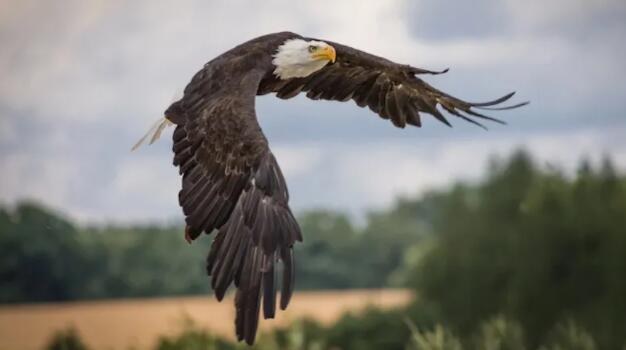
x=231, y=181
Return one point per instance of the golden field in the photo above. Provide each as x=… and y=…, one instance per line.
x=138, y=323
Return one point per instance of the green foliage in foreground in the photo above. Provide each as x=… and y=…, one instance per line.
x=66, y=340
x=353, y=333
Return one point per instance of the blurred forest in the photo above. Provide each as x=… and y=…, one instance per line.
x=527, y=258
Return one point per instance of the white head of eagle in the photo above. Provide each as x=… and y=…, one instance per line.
x=297, y=58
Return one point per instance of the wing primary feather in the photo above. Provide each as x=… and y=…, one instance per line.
x=329, y=90
x=245, y=299
x=393, y=109
x=316, y=78
x=202, y=211
x=290, y=89
x=505, y=107
x=241, y=298
x=241, y=259
x=288, y=276
x=491, y=103
x=179, y=133
x=472, y=121
x=451, y=110
x=268, y=240
x=269, y=287
x=251, y=321
x=215, y=247
x=382, y=99
x=188, y=194
x=412, y=115
x=226, y=268
x=432, y=109
x=373, y=95
x=296, y=232
x=259, y=223
x=416, y=70
x=361, y=93
x=440, y=117
x=479, y=115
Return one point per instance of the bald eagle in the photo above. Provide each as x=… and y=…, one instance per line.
x=231, y=181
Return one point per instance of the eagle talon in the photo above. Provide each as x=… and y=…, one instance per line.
x=187, y=235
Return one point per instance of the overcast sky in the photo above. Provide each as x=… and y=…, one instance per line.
x=81, y=81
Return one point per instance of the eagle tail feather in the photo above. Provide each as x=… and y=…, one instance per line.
x=154, y=133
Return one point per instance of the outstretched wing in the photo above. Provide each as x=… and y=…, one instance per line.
x=260, y=232
x=232, y=182
x=391, y=90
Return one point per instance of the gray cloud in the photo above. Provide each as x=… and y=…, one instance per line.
x=578, y=20
x=83, y=80
x=455, y=20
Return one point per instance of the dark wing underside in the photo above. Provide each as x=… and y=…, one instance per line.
x=232, y=183
x=260, y=232
x=388, y=89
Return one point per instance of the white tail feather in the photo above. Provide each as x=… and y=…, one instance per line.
x=155, y=131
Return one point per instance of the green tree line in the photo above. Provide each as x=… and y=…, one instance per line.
x=46, y=257
x=534, y=245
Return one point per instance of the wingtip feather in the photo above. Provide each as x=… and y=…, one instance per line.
x=504, y=108
x=493, y=102
x=416, y=70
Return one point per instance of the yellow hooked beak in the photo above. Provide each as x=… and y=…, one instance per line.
x=326, y=53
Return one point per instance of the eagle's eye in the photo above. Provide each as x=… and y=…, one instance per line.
x=312, y=48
